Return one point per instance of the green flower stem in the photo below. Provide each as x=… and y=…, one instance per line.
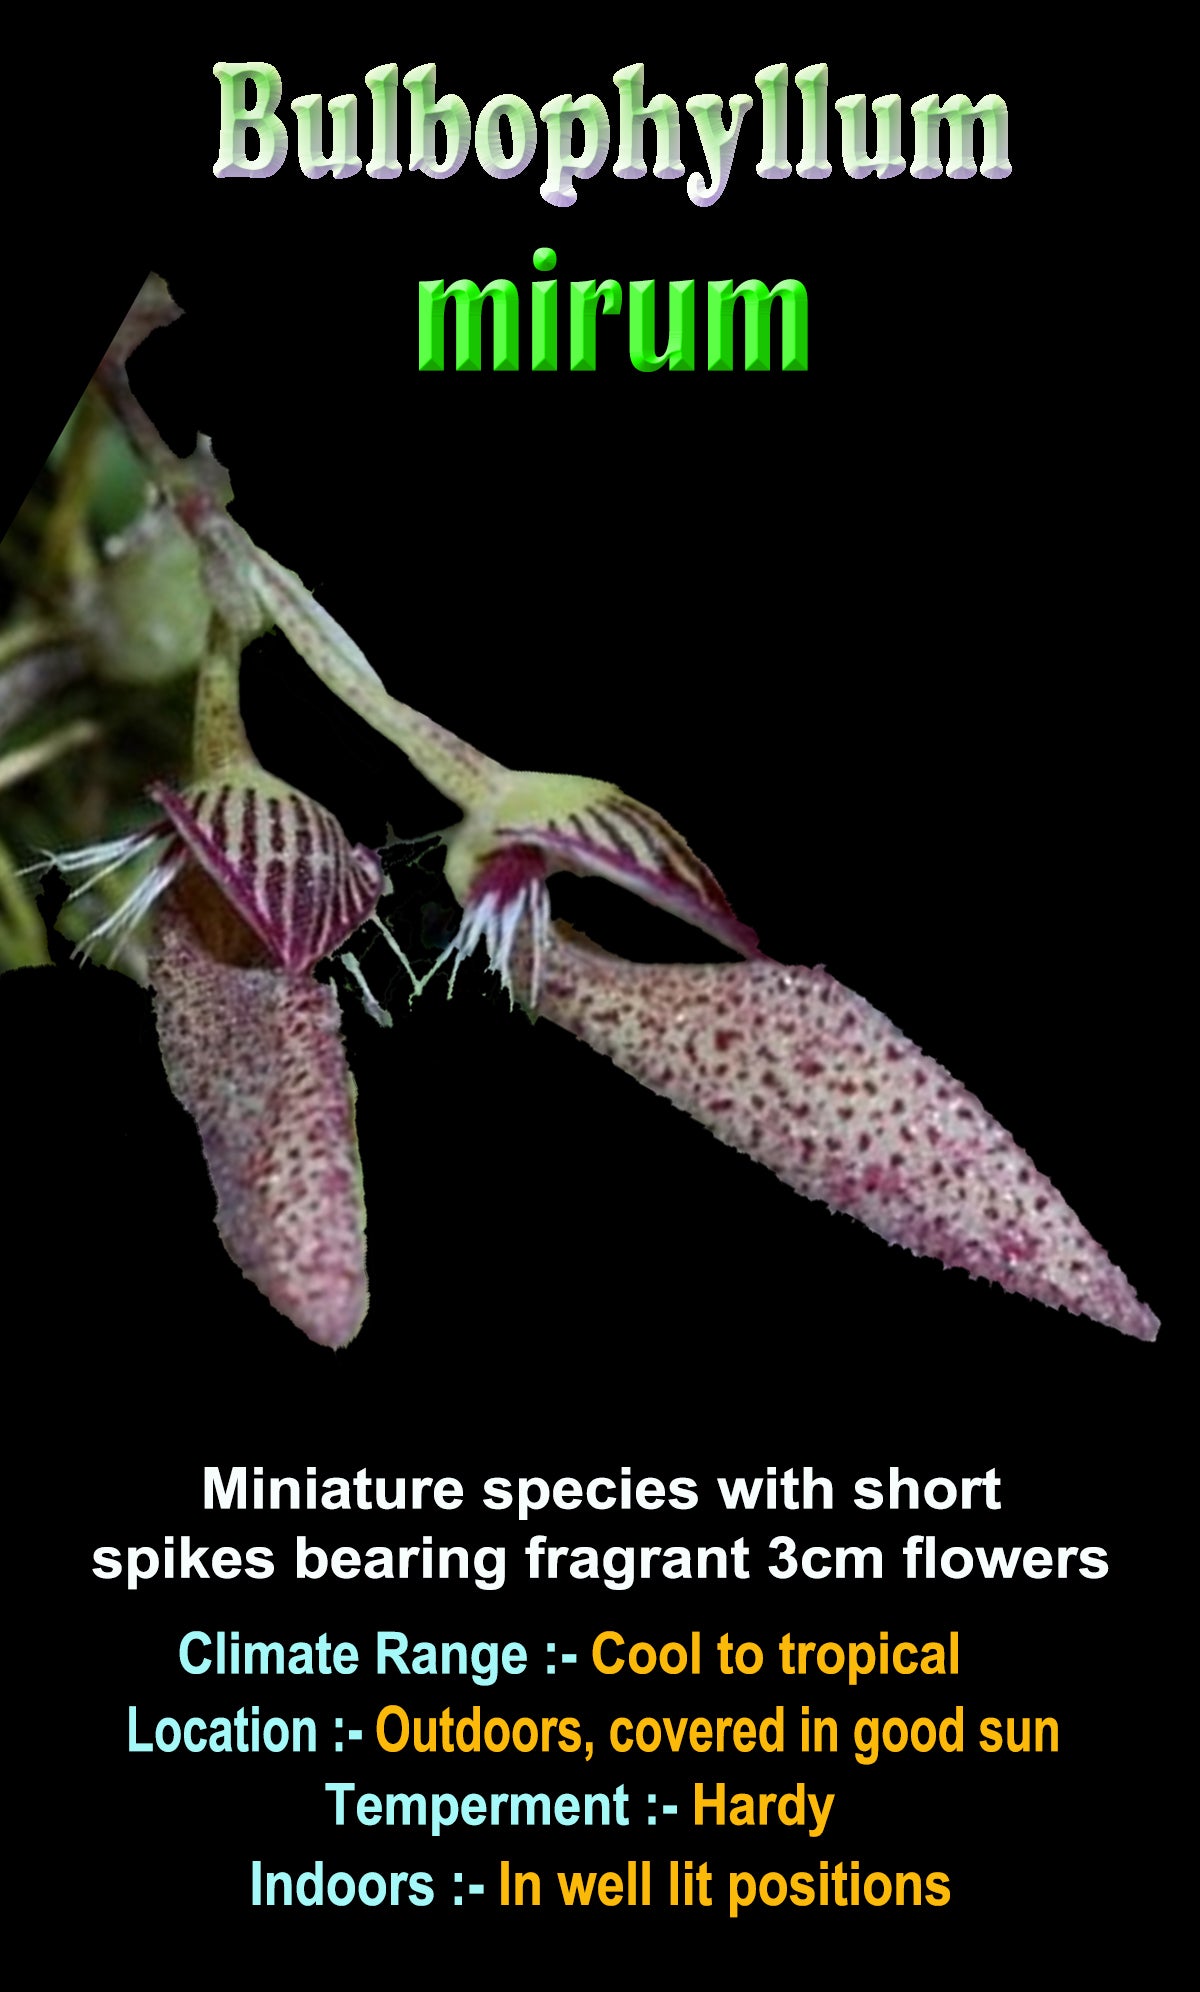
x=218, y=736
x=160, y=460
x=235, y=568
x=461, y=772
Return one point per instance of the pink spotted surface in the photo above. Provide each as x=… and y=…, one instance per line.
x=803, y=1075
x=256, y=1057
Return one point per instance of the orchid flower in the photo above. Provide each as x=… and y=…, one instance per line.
x=251, y=884
x=783, y=1063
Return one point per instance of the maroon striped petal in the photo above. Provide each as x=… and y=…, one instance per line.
x=619, y=839
x=256, y=1057
x=795, y=1070
x=283, y=861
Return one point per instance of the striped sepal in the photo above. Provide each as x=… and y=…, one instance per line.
x=282, y=861
x=619, y=839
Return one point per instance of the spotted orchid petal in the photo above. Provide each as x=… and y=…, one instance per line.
x=803, y=1075
x=255, y=1054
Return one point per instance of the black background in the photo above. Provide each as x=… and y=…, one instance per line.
x=863, y=635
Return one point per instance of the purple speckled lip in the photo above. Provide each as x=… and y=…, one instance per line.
x=798, y=1072
x=792, y=1068
x=256, y=1057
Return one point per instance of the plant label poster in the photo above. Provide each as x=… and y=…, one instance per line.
x=582, y=915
